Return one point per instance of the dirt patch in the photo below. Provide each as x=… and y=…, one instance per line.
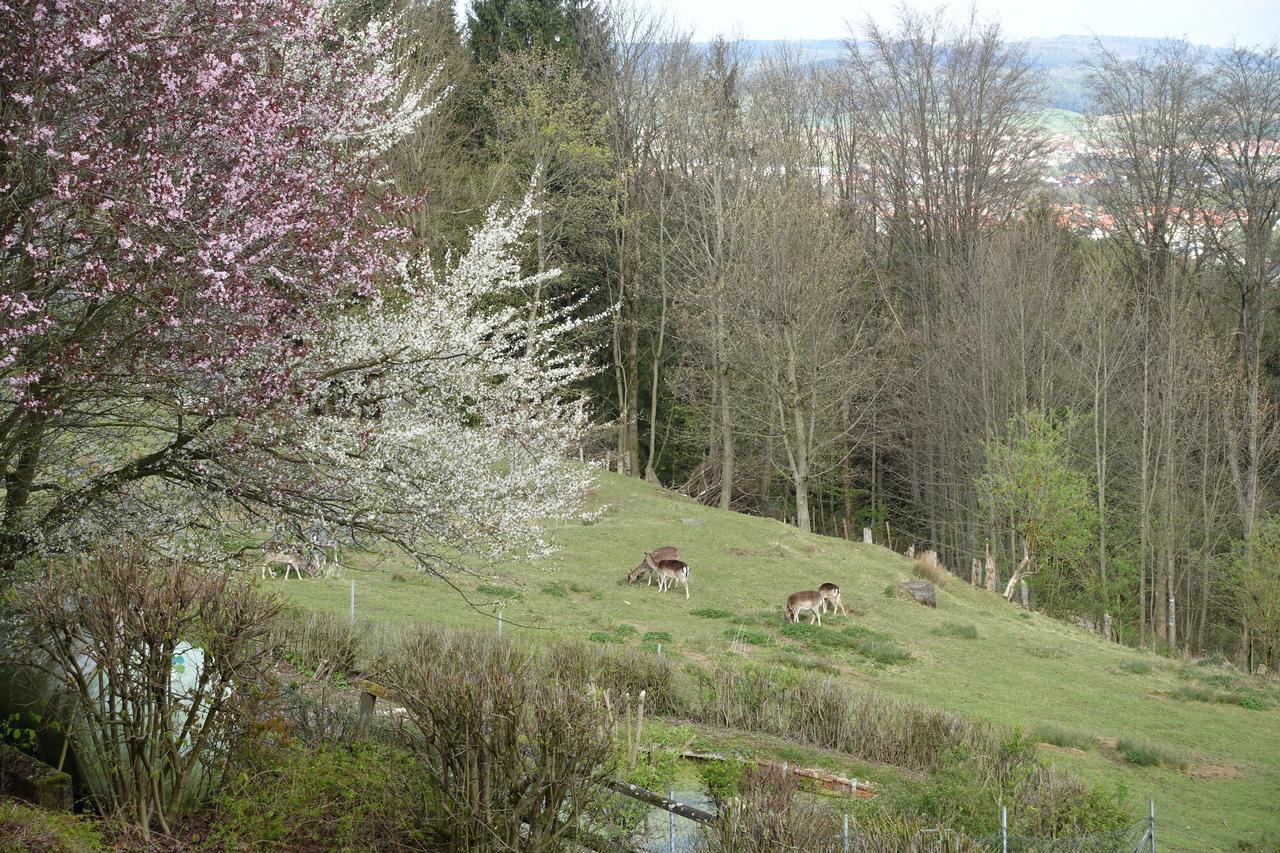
x=1216, y=771
x=1068, y=750
x=739, y=552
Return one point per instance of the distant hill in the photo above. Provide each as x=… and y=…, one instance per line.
x=1063, y=60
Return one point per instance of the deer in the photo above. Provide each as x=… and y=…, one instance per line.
x=649, y=564
x=670, y=572
x=278, y=552
x=831, y=597
x=810, y=600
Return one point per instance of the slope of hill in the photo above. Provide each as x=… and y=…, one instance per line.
x=1021, y=668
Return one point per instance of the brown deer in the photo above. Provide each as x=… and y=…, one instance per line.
x=671, y=572
x=810, y=600
x=650, y=562
x=278, y=552
x=831, y=597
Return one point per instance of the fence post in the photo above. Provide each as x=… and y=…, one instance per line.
x=659, y=649
x=501, y=610
x=1004, y=830
x=846, y=834
x=671, y=824
x=353, y=602
x=1151, y=823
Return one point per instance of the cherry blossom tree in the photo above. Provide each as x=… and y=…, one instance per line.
x=207, y=311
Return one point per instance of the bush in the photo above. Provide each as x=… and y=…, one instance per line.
x=816, y=636
x=31, y=828
x=111, y=628
x=958, y=630
x=766, y=816
x=1147, y=753
x=656, y=637
x=321, y=644
x=555, y=590
x=711, y=613
x=720, y=778
x=751, y=638
x=623, y=672
x=324, y=796
x=1065, y=737
x=930, y=567
x=1136, y=666
x=544, y=744
x=604, y=637
x=503, y=593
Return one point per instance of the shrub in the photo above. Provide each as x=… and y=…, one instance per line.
x=604, y=637
x=322, y=644
x=751, y=638
x=111, y=628
x=624, y=631
x=498, y=591
x=883, y=652
x=816, y=636
x=544, y=744
x=1136, y=666
x=396, y=577
x=623, y=672
x=720, y=778
x=1065, y=737
x=766, y=816
x=1147, y=753
x=27, y=827
x=324, y=796
x=656, y=637
x=930, y=567
x=958, y=630
x=711, y=613
x=810, y=663
x=555, y=590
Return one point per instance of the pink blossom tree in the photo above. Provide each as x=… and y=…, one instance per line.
x=195, y=219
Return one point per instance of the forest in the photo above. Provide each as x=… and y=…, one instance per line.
x=842, y=295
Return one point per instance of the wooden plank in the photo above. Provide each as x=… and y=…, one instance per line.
x=830, y=781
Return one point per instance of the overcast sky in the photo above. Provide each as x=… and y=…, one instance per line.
x=1212, y=22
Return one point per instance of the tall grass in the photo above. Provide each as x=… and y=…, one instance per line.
x=1146, y=753
x=929, y=566
x=1065, y=737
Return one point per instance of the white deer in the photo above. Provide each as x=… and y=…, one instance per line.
x=278, y=552
x=831, y=598
x=670, y=572
x=810, y=600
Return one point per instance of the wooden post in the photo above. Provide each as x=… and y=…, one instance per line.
x=866, y=535
x=367, y=701
x=993, y=576
x=975, y=573
x=1106, y=626
x=1026, y=595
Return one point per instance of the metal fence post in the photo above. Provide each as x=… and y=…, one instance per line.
x=501, y=610
x=353, y=602
x=1151, y=823
x=1004, y=830
x=846, y=834
x=671, y=824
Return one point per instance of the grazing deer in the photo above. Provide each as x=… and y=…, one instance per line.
x=809, y=599
x=650, y=562
x=279, y=552
x=670, y=572
x=831, y=596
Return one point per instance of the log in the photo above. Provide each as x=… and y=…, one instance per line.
x=921, y=591
x=644, y=795
x=829, y=781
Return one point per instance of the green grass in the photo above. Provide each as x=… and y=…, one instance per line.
x=958, y=630
x=1146, y=753
x=750, y=637
x=505, y=593
x=1064, y=736
x=1136, y=666
x=993, y=677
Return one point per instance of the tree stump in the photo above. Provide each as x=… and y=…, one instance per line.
x=975, y=573
x=921, y=591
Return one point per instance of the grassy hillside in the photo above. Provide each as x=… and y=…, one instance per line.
x=1020, y=669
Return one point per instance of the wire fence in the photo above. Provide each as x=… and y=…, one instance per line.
x=671, y=833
